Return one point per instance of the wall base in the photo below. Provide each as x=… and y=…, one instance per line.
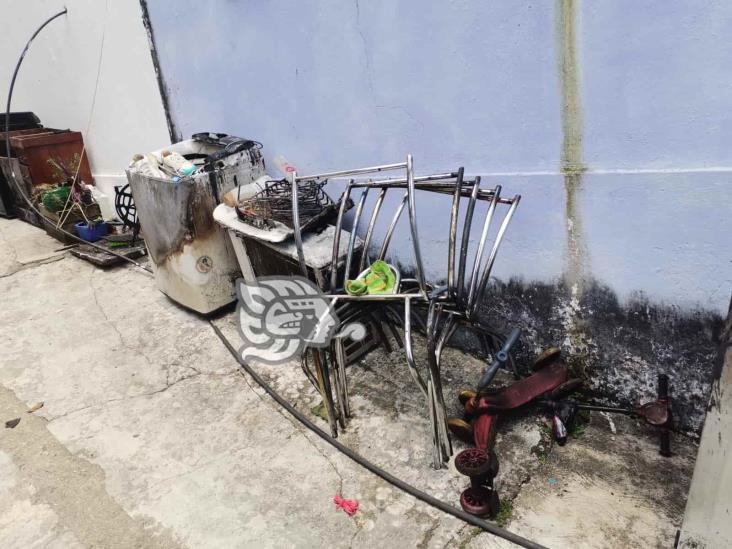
x=617, y=348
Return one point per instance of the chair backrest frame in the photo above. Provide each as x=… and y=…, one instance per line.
x=462, y=290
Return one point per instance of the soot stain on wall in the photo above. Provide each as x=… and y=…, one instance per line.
x=625, y=346
x=175, y=135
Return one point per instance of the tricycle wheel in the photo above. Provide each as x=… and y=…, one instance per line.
x=473, y=462
x=480, y=501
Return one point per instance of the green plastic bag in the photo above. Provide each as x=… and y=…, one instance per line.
x=356, y=287
x=378, y=280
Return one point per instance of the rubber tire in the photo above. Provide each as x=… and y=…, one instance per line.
x=465, y=395
x=461, y=429
x=474, y=462
x=480, y=501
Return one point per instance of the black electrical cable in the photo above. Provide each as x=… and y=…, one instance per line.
x=375, y=469
x=12, y=169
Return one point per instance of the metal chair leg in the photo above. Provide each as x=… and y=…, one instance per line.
x=408, y=350
x=442, y=437
x=442, y=442
x=448, y=330
x=323, y=376
x=437, y=461
x=339, y=357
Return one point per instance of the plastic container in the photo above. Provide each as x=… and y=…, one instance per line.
x=93, y=233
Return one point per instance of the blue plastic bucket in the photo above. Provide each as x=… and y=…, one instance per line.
x=93, y=233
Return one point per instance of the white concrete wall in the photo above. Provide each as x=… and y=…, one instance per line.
x=57, y=79
x=708, y=508
x=333, y=84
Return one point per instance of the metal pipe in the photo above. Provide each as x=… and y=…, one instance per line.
x=323, y=377
x=344, y=406
x=494, y=251
x=442, y=445
x=474, y=279
x=437, y=186
x=453, y=233
x=417, y=179
x=370, y=230
x=369, y=297
x=15, y=75
x=610, y=409
x=296, y=233
x=448, y=330
x=337, y=239
x=392, y=226
x=665, y=434
x=434, y=429
x=352, y=237
x=356, y=171
x=408, y=350
x=467, y=226
x=413, y=225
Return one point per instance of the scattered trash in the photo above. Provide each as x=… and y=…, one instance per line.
x=177, y=163
x=350, y=506
x=552, y=481
x=37, y=406
x=148, y=165
x=12, y=423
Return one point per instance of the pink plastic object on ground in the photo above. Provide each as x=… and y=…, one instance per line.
x=350, y=506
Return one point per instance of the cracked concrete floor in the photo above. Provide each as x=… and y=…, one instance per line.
x=150, y=437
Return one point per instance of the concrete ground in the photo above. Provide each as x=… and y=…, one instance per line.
x=149, y=436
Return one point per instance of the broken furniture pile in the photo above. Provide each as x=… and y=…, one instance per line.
x=435, y=310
